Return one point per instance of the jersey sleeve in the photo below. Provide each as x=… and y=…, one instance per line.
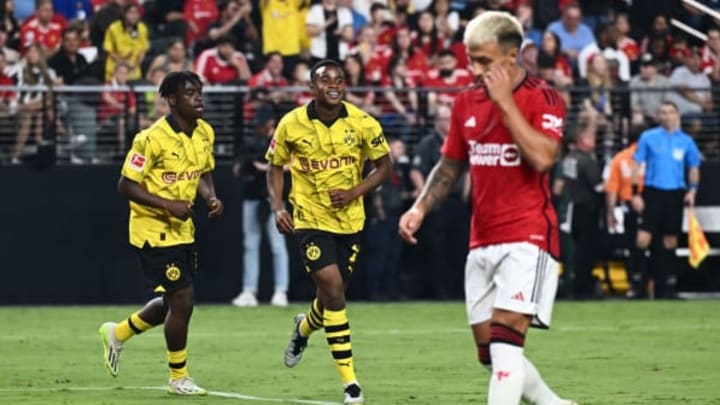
x=454, y=146
x=211, y=157
x=692, y=156
x=640, y=154
x=375, y=145
x=548, y=113
x=278, y=151
x=612, y=185
x=140, y=158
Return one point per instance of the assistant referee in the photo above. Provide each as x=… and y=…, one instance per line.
x=664, y=154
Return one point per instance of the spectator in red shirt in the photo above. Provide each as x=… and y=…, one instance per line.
x=266, y=86
x=625, y=43
x=710, y=54
x=44, y=28
x=222, y=64
x=301, y=79
x=355, y=77
x=427, y=38
x=199, y=14
x=551, y=48
x=447, y=75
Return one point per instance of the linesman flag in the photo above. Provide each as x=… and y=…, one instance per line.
x=697, y=243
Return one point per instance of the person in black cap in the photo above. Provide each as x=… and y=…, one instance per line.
x=647, y=91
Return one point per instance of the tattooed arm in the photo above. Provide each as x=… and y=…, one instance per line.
x=440, y=181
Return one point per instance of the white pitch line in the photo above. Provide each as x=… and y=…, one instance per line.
x=558, y=327
x=222, y=394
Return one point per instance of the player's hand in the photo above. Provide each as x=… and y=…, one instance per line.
x=690, y=199
x=340, y=198
x=498, y=84
x=284, y=222
x=409, y=224
x=180, y=209
x=638, y=205
x=216, y=207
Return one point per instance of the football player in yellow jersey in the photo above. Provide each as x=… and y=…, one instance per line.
x=326, y=143
x=168, y=165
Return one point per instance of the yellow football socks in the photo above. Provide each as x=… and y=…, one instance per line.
x=177, y=361
x=337, y=332
x=130, y=327
x=313, y=321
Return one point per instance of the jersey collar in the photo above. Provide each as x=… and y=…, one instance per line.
x=312, y=112
x=175, y=126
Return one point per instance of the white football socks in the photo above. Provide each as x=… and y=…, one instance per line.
x=508, y=374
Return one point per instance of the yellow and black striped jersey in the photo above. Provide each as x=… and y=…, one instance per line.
x=167, y=163
x=323, y=158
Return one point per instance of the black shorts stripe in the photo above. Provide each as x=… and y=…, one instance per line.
x=536, y=281
x=337, y=328
x=341, y=354
x=540, y=276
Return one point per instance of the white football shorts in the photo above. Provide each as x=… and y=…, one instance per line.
x=518, y=277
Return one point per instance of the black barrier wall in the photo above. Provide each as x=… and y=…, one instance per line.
x=64, y=239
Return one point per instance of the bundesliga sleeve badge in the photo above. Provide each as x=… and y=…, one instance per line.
x=137, y=162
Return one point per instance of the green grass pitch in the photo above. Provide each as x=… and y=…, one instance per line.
x=613, y=352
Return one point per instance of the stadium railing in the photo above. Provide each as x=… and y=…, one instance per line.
x=79, y=128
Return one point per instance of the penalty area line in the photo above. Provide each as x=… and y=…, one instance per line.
x=222, y=394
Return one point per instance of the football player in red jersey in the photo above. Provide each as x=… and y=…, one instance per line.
x=508, y=127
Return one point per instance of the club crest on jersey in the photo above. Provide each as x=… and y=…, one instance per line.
x=137, y=162
x=349, y=139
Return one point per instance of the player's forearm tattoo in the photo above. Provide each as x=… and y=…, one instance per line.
x=441, y=180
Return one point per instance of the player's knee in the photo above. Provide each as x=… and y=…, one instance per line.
x=333, y=299
x=483, y=353
x=181, y=302
x=503, y=333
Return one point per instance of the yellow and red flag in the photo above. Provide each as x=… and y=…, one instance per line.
x=697, y=243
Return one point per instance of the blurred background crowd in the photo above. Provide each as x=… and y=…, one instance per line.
x=78, y=79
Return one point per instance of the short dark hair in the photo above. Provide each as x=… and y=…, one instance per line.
x=324, y=63
x=671, y=104
x=175, y=82
x=225, y=39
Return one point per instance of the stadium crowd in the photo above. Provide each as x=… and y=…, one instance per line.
x=613, y=61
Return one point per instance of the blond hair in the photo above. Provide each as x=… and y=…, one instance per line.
x=494, y=26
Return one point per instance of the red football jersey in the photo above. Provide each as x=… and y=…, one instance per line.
x=510, y=200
